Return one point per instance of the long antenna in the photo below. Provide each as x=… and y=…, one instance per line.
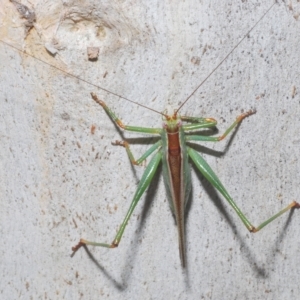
x=134, y=102
x=81, y=79
x=220, y=63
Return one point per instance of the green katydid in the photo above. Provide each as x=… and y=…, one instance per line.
x=172, y=150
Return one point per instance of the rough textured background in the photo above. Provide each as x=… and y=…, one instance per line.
x=59, y=181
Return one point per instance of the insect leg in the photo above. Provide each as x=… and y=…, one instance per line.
x=120, y=123
x=198, y=123
x=144, y=156
x=209, y=174
x=217, y=138
x=143, y=184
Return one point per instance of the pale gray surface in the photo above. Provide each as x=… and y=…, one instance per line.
x=59, y=182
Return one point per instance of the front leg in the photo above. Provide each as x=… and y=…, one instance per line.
x=217, y=138
x=121, y=124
